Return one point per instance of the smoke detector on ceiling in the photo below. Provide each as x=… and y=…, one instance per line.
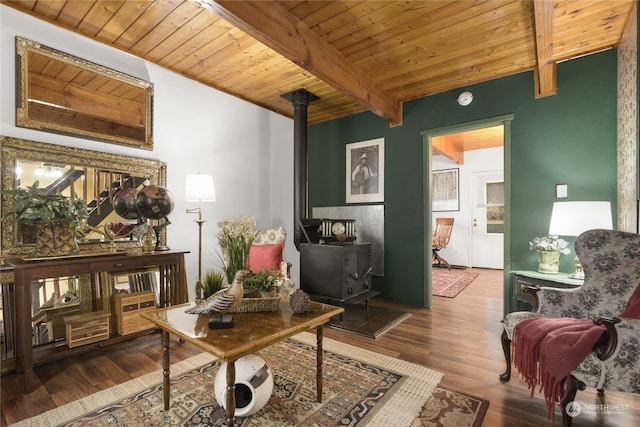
x=465, y=98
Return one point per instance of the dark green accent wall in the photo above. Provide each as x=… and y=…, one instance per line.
x=568, y=138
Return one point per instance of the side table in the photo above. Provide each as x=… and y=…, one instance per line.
x=522, y=301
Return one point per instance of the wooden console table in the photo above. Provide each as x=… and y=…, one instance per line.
x=172, y=289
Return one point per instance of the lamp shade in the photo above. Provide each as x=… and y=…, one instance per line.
x=199, y=188
x=574, y=218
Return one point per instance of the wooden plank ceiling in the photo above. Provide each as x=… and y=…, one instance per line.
x=354, y=55
x=455, y=145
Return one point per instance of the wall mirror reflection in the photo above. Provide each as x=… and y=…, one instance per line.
x=58, y=298
x=61, y=93
x=52, y=300
x=137, y=281
x=95, y=176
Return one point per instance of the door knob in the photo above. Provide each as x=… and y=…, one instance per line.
x=475, y=222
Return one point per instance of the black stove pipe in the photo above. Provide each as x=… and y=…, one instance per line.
x=300, y=99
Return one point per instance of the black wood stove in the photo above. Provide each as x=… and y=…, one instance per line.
x=335, y=271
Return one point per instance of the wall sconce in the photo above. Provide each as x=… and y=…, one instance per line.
x=199, y=188
x=465, y=98
x=574, y=218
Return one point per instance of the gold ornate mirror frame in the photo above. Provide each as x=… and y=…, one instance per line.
x=61, y=93
x=85, y=172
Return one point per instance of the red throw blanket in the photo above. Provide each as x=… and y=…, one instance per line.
x=546, y=350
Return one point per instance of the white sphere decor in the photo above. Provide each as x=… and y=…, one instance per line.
x=254, y=385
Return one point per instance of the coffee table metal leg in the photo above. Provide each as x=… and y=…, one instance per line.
x=319, y=363
x=231, y=392
x=166, y=382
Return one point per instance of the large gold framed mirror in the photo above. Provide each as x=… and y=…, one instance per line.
x=61, y=93
x=93, y=175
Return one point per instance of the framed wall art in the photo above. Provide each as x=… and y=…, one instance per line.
x=365, y=171
x=445, y=191
x=61, y=93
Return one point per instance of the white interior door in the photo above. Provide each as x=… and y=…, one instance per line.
x=487, y=201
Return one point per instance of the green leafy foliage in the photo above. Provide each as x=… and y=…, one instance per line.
x=213, y=281
x=236, y=248
x=263, y=281
x=32, y=204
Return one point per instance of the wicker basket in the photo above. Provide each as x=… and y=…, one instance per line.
x=54, y=239
x=255, y=305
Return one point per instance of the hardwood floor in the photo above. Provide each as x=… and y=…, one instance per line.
x=458, y=336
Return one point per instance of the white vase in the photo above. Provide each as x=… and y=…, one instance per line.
x=548, y=262
x=254, y=385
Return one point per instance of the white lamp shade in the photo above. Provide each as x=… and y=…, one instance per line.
x=574, y=218
x=199, y=188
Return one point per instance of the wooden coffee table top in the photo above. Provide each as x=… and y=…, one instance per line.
x=250, y=332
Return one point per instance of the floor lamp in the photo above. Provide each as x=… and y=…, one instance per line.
x=199, y=188
x=574, y=218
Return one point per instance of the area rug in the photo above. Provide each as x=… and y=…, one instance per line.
x=449, y=408
x=369, y=321
x=449, y=283
x=360, y=388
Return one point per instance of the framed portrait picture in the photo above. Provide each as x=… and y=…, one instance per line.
x=445, y=191
x=365, y=171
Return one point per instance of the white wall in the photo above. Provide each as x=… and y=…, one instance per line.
x=247, y=149
x=458, y=251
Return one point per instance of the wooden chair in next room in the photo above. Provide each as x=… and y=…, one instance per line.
x=440, y=240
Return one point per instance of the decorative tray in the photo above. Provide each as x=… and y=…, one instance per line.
x=256, y=305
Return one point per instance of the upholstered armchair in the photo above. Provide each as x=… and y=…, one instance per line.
x=265, y=251
x=611, y=262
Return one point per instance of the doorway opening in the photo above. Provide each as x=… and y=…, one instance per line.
x=479, y=153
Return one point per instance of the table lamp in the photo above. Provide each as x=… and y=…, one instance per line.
x=574, y=218
x=199, y=188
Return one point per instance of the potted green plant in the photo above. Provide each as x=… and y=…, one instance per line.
x=52, y=217
x=262, y=283
x=235, y=236
x=235, y=254
x=549, y=249
x=213, y=281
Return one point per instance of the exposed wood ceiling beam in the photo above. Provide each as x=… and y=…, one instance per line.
x=545, y=73
x=453, y=149
x=272, y=24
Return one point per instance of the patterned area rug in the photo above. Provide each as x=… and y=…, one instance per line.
x=360, y=388
x=449, y=283
x=448, y=408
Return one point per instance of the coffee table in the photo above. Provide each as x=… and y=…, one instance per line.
x=250, y=333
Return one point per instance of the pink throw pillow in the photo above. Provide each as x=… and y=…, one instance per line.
x=265, y=256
